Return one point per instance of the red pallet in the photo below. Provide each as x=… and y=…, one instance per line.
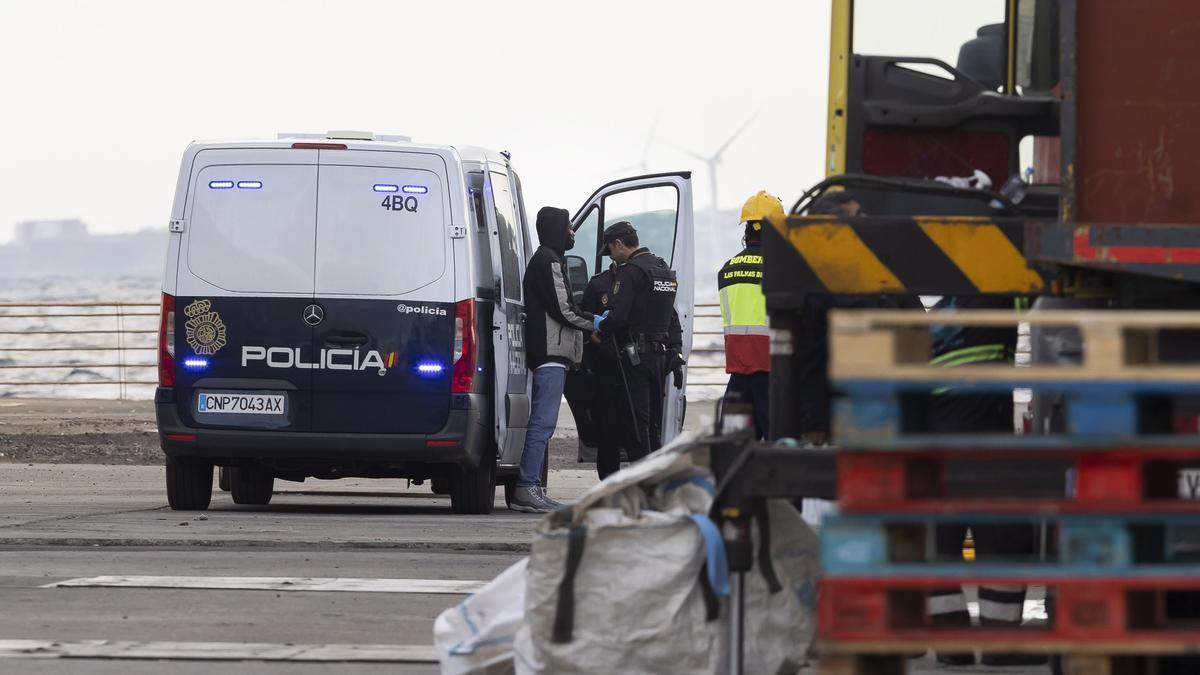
x=1075, y=663
x=858, y=614
x=1122, y=480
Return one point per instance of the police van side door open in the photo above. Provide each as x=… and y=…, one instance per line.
x=508, y=255
x=660, y=207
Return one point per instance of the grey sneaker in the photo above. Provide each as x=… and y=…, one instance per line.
x=528, y=499
x=550, y=500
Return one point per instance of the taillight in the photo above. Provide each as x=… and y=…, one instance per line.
x=166, y=342
x=463, y=379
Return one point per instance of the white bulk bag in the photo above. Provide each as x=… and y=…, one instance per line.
x=475, y=636
x=635, y=602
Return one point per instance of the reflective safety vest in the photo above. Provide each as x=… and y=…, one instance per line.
x=960, y=346
x=744, y=314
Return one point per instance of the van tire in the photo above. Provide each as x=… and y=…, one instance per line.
x=251, y=484
x=473, y=491
x=189, y=483
x=510, y=483
x=439, y=486
x=223, y=479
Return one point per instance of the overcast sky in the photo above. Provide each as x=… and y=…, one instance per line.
x=100, y=98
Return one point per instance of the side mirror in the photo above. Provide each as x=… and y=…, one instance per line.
x=577, y=274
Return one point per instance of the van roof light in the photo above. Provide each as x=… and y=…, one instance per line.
x=319, y=146
x=351, y=135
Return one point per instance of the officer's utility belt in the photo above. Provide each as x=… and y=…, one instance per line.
x=650, y=343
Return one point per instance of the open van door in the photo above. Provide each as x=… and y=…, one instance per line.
x=508, y=255
x=660, y=207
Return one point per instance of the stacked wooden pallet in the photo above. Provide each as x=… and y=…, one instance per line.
x=1115, y=559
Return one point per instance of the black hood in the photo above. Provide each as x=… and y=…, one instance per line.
x=552, y=226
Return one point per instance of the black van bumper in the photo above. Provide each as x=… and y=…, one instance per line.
x=461, y=441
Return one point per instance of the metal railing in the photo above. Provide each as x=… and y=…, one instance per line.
x=707, y=358
x=101, y=344
x=114, y=344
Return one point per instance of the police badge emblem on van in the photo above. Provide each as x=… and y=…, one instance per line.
x=204, y=330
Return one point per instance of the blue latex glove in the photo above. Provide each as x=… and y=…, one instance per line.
x=596, y=320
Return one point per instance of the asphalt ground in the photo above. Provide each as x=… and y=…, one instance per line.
x=335, y=570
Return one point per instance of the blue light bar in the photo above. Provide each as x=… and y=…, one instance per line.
x=430, y=368
x=220, y=184
x=250, y=184
x=384, y=187
x=195, y=363
x=415, y=189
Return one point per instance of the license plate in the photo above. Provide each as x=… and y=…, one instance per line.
x=241, y=404
x=1189, y=483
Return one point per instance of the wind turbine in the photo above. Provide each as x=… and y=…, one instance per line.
x=714, y=159
x=642, y=166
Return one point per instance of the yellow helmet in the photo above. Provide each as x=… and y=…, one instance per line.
x=759, y=207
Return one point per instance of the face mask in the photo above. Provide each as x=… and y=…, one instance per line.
x=570, y=240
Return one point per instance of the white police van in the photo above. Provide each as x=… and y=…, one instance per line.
x=350, y=305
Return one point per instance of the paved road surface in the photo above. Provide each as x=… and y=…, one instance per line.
x=203, y=583
x=67, y=522
x=62, y=522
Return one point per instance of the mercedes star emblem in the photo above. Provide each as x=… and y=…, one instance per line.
x=313, y=315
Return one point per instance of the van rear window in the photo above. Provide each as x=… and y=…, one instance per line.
x=380, y=230
x=251, y=227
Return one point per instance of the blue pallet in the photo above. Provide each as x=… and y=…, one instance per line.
x=1088, y=545
x=1098, y=413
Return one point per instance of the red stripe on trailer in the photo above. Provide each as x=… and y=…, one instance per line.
x=1145, y=255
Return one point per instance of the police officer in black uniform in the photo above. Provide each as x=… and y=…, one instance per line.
x=609, y=407
x=644, y=331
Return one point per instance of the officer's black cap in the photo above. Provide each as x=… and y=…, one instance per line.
x=616, y=230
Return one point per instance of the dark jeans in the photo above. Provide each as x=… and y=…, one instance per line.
x=754, y=389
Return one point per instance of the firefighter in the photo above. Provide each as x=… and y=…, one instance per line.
x=644, y=329
x=744, y=313
x=950, y=412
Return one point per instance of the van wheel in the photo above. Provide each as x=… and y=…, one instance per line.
x=223, y=478
x=474, y=491
x=251, y=484
x=510, y=483
x=189, y=483
x=440, y=486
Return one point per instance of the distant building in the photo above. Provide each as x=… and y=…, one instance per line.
x=47, y=230
x=64, y=248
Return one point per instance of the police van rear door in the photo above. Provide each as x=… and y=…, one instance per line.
x=244, y=280
x=383, y=347
x=506, y=232
x=660, y=207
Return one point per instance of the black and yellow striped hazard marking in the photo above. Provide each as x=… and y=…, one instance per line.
x=939, y=255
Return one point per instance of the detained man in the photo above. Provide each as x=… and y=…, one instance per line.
x=554, y=333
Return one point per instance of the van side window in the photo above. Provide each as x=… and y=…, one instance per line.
x=480, y=234
x=520, y=194
x=654, y=211
x=510, y=244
